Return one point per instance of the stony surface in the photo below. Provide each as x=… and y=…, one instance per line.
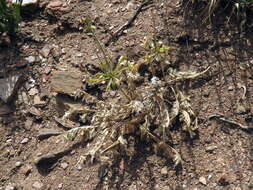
x=66, y=82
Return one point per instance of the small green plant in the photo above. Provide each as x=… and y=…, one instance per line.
x=110, y=71
x=157, y=55
x=9, y=16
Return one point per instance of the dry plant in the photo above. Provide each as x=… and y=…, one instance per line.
x=149, y=115
x=215, y=12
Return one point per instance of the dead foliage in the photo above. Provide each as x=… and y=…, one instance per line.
x=148, y=113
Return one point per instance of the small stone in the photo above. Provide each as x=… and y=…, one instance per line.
x=33, y=91
x=24, y=141
x=38, y=185
x=46, y=51
x=10, y=187
x=230, y=88
x=79, y=167
x=240, y=109
x=164, y=171
x=64, y=165
x=28, y=123
x=211, y=148
x=37, y=101
x=9, y=140
x=45, y=133
x=18, y=164
x=47, y=70
x=54, y=4
x=60, y=186
x=79, y=54
x=30, y=59
x=202, y=180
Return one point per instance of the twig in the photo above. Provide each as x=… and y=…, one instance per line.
x=120, y=31
x=222, y=118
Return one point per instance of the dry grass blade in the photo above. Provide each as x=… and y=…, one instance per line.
x=181, y=76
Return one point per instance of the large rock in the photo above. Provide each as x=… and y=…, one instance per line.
x=9, y=87
x=29, y=5
x=66, y=82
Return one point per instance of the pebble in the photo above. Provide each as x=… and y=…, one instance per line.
x=164, y=171
x=18, y=164
x=30, y=59
x=9, y=140
x=10, y=187
x=46, y=51
x=24, y=141
x=28, y=123
x=202, y=180
x=60, y=186
x=211, y=148
x=54, y=4
x=38, y=101
x=33, y=91
x=230, y=88
x=79, y=167
x=38, y=185
x=240, y=109
x=64, y=165
x=79, y=54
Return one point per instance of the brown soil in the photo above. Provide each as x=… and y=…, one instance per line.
x=222, y=154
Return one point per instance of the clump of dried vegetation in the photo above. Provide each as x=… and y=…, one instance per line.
x=145, y=112
x=220, y=13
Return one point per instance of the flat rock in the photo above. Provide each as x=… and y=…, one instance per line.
x=9, y=87
x=46, y=50
x=66, y=82
x=54, y=4
x=202, y=180
x=29, y=5
x=45, y=133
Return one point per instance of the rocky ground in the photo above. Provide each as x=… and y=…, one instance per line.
x=53, y=57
